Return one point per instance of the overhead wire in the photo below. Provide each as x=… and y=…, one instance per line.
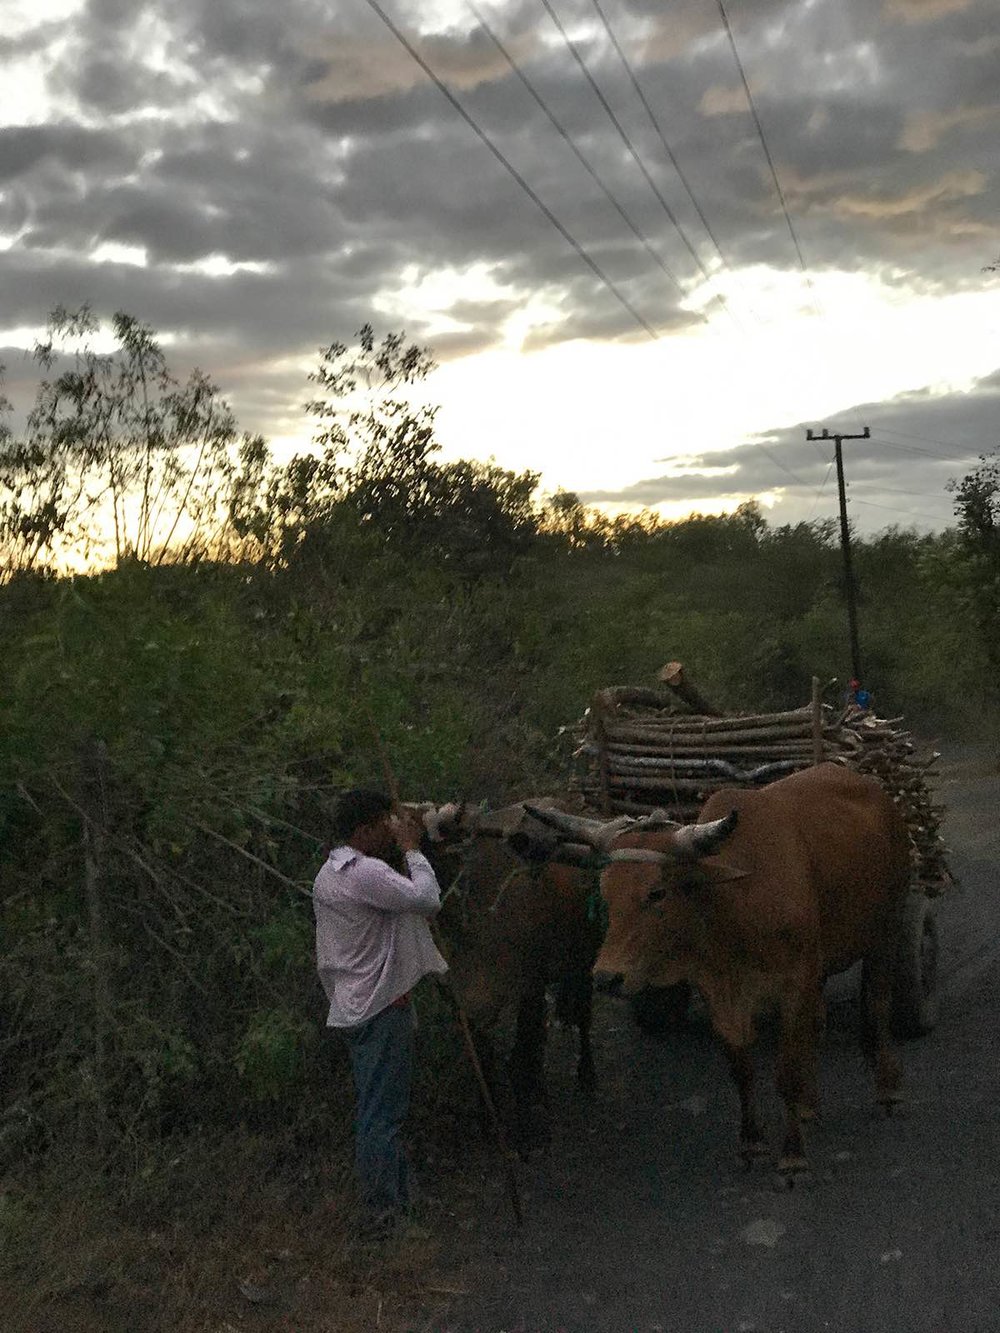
x=565, y=135
x=623, y=135
x=927, y=453
x=892, y=509
x=947, y=444
x=672, y=158
x=727, y=26
x=763, y=140
x=504, y=161
x=523, y=183
x=630, y=146
x=571, y=240
x=896, y=490
x=574, y=50
x=587, y=259
x=822, y=488
x=654, y=121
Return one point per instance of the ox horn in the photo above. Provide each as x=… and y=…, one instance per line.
x=654, y=822
x=697, y=840
x=596, y=833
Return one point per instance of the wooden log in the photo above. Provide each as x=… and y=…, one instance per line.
x=600, y=736
x=717, y=772
x=685, y=723
x=817, y=722
x=673, y=674
x=613, y=697
x=628, y=781
x=707, y=744
x=655, y=757
x=746, y=746
x=702, y=754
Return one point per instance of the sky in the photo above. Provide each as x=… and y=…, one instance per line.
x=651, y=246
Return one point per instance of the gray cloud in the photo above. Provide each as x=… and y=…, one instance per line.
x=919, y=444
x=24, y=148
x=304, y=139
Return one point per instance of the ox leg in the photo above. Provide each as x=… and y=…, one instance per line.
x=741, y=1067
x=585, y=1073
x=876, y=1008
x=801, y=1015
x=575, y=1008
x=527, y=1064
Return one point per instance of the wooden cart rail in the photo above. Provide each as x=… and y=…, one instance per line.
x=644, y=749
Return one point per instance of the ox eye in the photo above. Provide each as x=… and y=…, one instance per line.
x=656, y=895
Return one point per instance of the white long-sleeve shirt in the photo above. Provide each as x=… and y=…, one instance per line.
x=373, y=943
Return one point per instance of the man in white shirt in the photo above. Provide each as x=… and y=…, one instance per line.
x=373, y=944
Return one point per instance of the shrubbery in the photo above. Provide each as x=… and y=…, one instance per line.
x=175, y=731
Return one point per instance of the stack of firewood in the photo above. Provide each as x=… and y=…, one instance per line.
x=644, y=750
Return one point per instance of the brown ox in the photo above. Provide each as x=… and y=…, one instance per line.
x=772, y=891
x=512, y=929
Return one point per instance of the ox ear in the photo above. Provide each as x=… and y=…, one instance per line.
x=721, y=872
x=694, y=841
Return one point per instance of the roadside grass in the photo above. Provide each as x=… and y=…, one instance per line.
x=250, y=1228
x=218, y=1241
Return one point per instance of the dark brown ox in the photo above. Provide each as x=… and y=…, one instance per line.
x=514, y=927
x=772, y=891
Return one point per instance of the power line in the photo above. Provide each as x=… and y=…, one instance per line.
x=767, y=155
x=947, y=444
x=892, y=509
x=572, y=47
x=640, y=236
x=927, y=453
x=671, y=157
x=484, y=137
x=895, y=490
x=659, y=130
x=763, y=141
x=498, y=154
x=822, y=488
x=574, y=50
x=777, y=461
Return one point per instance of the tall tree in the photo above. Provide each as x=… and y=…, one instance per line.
x=977, y=508
x=119, y=458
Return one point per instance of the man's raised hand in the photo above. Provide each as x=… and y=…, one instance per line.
x=408, y=830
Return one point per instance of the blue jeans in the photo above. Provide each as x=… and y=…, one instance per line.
x=381, y=1053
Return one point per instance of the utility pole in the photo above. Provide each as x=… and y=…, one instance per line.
x=845, y=543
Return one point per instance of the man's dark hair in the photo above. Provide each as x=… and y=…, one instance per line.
x=356, y=807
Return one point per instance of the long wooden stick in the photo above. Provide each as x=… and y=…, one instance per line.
x=461, y=1016
x=817, y=721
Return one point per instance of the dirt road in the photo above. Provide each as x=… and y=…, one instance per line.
x=641, y=1219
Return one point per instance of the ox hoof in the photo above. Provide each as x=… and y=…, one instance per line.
x=793, y=1173
x=586, y=1084
x=753, y=1152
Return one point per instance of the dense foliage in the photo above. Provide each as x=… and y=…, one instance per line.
x=176, y=725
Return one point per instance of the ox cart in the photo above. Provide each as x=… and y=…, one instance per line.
x=644, y=749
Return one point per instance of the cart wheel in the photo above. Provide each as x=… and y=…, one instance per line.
x=914, y=989
x=658, y=1010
